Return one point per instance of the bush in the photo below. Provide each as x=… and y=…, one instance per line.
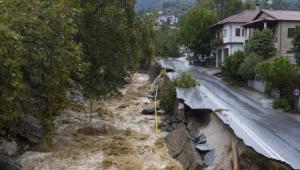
x=247, y=67
x=185, y=81
x=268, y=88
x=282, y=104
x=281, y=74
x=232, y=64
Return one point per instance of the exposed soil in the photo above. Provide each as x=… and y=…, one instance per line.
x=115, y=136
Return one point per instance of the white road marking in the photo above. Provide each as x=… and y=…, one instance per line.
x=248, y=131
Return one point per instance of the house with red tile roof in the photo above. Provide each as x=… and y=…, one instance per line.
x=282, y=23
x=230, y=35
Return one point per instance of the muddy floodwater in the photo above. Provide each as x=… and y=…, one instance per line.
x=114, y=136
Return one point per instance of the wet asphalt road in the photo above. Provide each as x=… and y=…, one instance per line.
x=271, y=133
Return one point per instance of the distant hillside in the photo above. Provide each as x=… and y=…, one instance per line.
x=279, y=4
x=144, y=6
x=167, y=6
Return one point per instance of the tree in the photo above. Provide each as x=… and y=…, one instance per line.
x=48, y=47
x=11, y=80
x=115, y=40
x=194, y=30
x=166, y=41
x=111, y=44
x=247, y=67
x=276, y=5
x=145, y=29
x=262, y=43
x=233, y=7
x=226, y=8
x=232, y=65
x=281, y=74
x=46, y=60
x=296, y=43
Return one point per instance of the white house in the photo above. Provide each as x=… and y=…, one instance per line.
x=230, y=35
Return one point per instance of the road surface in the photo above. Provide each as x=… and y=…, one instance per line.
x=271, y=133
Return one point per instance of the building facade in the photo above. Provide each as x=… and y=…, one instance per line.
x=283, y=24
x=231, y=35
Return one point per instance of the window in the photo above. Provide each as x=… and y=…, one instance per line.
x=224, y=33
x=238, y=32
x=243, y=32
x=291, y=32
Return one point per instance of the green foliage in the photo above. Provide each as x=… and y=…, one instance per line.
x=168, y=100
x=114, y=39
x=233, y=7
x=268, y=88
x=296, y=43
x=226, y=8
x=40, y=60
x=169, y=7
x=166, y=43
x=282, y=104
x=174, y=7
x=11, y=80
x=194, y=30
x=281, y=75
x=146, y=35
x=247, y=67
x=262, y=43
x=46, y=47
x=232, y=65
x=278, y=5
x=185, y=81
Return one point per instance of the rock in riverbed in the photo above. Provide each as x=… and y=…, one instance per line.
x=8, y=147
x=8, y=163
x=148, y=111
x=30, y=128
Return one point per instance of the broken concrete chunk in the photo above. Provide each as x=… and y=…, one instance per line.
x=181, y=149
x=203, y=147
x=8, y=147
x=30, y=128
x=8, y=163
x=209, y=158
x=199, y=138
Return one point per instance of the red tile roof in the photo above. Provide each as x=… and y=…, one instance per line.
x=283, y=15
x=243, y=17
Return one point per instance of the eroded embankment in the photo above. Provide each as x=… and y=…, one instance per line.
x=197, y=126
x=114, y=136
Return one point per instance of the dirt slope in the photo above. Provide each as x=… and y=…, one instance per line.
x=115, y=136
